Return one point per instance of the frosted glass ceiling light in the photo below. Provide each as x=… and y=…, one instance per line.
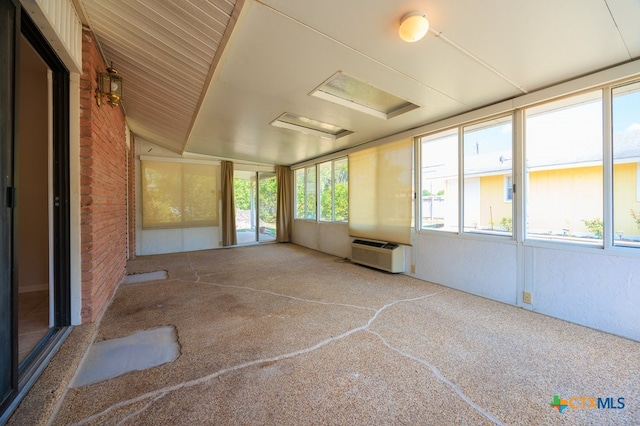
x=413, y=26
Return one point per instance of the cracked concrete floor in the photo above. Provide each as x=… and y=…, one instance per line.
x=279, y=334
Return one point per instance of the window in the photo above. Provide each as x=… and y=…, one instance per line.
x=563, y=196
x=381, y=192
x=564, y=169
x=306, y=193
x=487, y=166
x=178, y=194
x=626, y=166
x=334, y=190
x=439, y=177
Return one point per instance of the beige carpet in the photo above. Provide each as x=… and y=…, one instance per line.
x=279, y=334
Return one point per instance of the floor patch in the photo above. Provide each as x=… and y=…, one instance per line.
x=147, y=276
x=139, y=351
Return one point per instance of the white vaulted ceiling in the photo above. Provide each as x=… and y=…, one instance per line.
x=164, y=50
x=209, y=77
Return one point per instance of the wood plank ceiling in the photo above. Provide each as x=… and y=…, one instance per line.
x=164, y=50
x=209, y=77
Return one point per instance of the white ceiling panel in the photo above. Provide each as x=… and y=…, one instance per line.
x=535, y=44
x=269, y=89
x=209, y=77
x=626, y=14
x=372, y=31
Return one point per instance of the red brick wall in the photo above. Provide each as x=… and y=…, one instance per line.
x=103, y=189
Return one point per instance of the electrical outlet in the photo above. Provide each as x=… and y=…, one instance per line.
x=413, y=269
x=527, y=297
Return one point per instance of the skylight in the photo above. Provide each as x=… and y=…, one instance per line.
x=309, y=126
x=348, y=91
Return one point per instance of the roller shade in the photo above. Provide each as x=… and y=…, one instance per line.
x=177, y=195
x=381, y=192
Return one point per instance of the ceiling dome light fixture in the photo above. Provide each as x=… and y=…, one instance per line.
x=413, y=26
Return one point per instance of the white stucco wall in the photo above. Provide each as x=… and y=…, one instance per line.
x=484, y=267
x=159, y=241
x=584, y=285
x=589, y=287
x=327, y=237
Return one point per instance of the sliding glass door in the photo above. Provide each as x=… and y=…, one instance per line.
x=267, y=204
x=34, y=208
x=255, y=206
x=9, y=37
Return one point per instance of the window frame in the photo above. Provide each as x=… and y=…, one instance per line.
x=564, y=104
x=617, y=233
x=518, y=107
x=452, y=132
x=333, y=191
x=307, y=171
x=498, y=121
x=318, y=204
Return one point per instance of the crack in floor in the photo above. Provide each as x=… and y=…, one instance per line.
x=439, y=376
x=157, y=395
x=193, y=269
x=299, y=299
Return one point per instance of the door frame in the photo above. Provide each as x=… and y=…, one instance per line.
x=8, y=290
x=24, y=374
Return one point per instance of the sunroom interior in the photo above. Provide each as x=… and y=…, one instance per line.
x=520, y=158
x=500, y=153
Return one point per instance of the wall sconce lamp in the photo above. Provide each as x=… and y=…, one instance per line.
x=109, y=86
x=413, y=26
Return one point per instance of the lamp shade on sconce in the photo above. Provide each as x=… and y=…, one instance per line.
x=413, y=26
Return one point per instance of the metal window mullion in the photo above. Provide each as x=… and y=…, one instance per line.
x=608, y=233
x=257, y=201
x=306, y=192
x=460, y=180
x=417, y=178
x=519, y=179
x=333, y=190
x=317, y=181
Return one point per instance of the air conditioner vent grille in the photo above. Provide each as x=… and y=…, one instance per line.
x=385, y=256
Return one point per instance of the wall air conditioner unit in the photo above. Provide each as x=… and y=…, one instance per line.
x=386, y=256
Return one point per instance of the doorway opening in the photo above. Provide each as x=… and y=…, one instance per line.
x=255, y=206
x=35, y=244
x=34, y=209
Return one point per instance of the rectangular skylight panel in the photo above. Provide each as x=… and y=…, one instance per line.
x=353, y=93
x=310, y=123
x=309, y=126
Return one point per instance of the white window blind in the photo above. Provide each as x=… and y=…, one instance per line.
x=179, y=195
x=381, y=193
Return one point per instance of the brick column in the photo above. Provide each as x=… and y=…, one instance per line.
x=103, y=188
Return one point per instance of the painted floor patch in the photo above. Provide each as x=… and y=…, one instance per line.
x=146, y=276
x=139, y=351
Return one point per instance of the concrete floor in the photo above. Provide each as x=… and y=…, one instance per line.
x=279, y=334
